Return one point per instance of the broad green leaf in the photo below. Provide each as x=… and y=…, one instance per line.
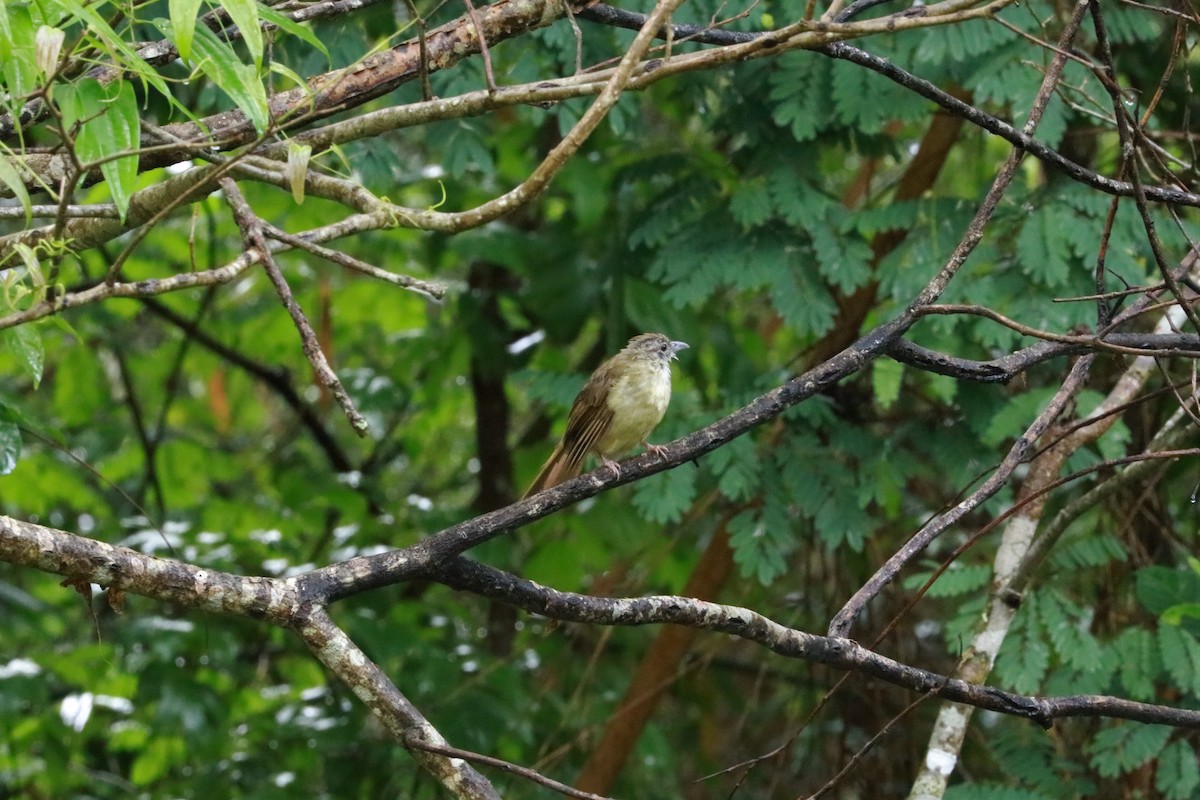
x=218, y=61
x=26, y=344
x=120, y=51
x=109, y=125
x=183, y=18
x=1176, y=614
x=10, y=446
x=18, y=59
x=12, y=179
x=294, y=28
x=244, y=14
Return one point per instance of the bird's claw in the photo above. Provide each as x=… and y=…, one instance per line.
x=657, y=450
x=611, y=466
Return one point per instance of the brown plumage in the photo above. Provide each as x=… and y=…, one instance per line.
x=618, y=407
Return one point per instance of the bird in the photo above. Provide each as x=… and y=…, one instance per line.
x=618, y=407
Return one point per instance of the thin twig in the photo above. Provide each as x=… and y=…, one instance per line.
x=516, y=769
x=488, y=75
x=252, y=233
x=434, y=289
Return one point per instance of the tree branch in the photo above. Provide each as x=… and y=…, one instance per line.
x=466, y=575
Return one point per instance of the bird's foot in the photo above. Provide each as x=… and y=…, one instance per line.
x=657, y=450
x=611, y=466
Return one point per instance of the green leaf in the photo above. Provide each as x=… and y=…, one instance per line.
x=798, y=93
x=12, y=179
x=10, y=446
x=1125, y=747
x=1159, y=588
x=956, y=581
x=294, y=28
x=751, y=204
x=842, y=257
x=218, y=61
x=886, y=377
x=1025, y=657
x=736, y=467
x=1178, y=773
x=109, y=124
x=118, y=50
x=1176, y=614
x=183, y=19
x=1043, y=247
x=18, y=63
x=663, y=498
x=1139, y=663
x=1181, y=656
x=26, y=343
x=244, y=14
x=156, y=759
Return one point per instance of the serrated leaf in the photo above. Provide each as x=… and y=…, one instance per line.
x=843, y=259
x=183, y=18
x=955, y=581
x=663, y=498
x=798, y=93
x=751, y=204
x=736, y=467
x=1024, y=658
x=886, y=377
x=1043, y=249
x=1125, y=747
x=10, y=446
x=803, y=302
x=762, y=538
x=1178, y=774
x=1074, y=645
x=1181, y=656
x=984, y=791
x=1138, y=663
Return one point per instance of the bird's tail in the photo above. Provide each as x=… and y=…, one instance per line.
x=559, y=467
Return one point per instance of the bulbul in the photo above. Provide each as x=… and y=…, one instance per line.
x=618, y=407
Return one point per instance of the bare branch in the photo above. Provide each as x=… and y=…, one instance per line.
x=252, y=235
x=461, y=573
x=403, y=720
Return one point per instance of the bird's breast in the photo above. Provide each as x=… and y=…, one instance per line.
x=638, y=400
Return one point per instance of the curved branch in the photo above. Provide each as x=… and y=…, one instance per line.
x=279, y=602
x=608, y=15
x=1005, y=368
x=464, y=574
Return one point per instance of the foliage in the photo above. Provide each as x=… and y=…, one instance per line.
x=743, y=209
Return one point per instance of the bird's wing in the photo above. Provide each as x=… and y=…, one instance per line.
x=589, y=419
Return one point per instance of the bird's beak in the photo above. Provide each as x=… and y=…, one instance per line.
x=676, y=347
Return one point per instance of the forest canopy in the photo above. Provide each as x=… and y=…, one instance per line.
x=297, y=297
